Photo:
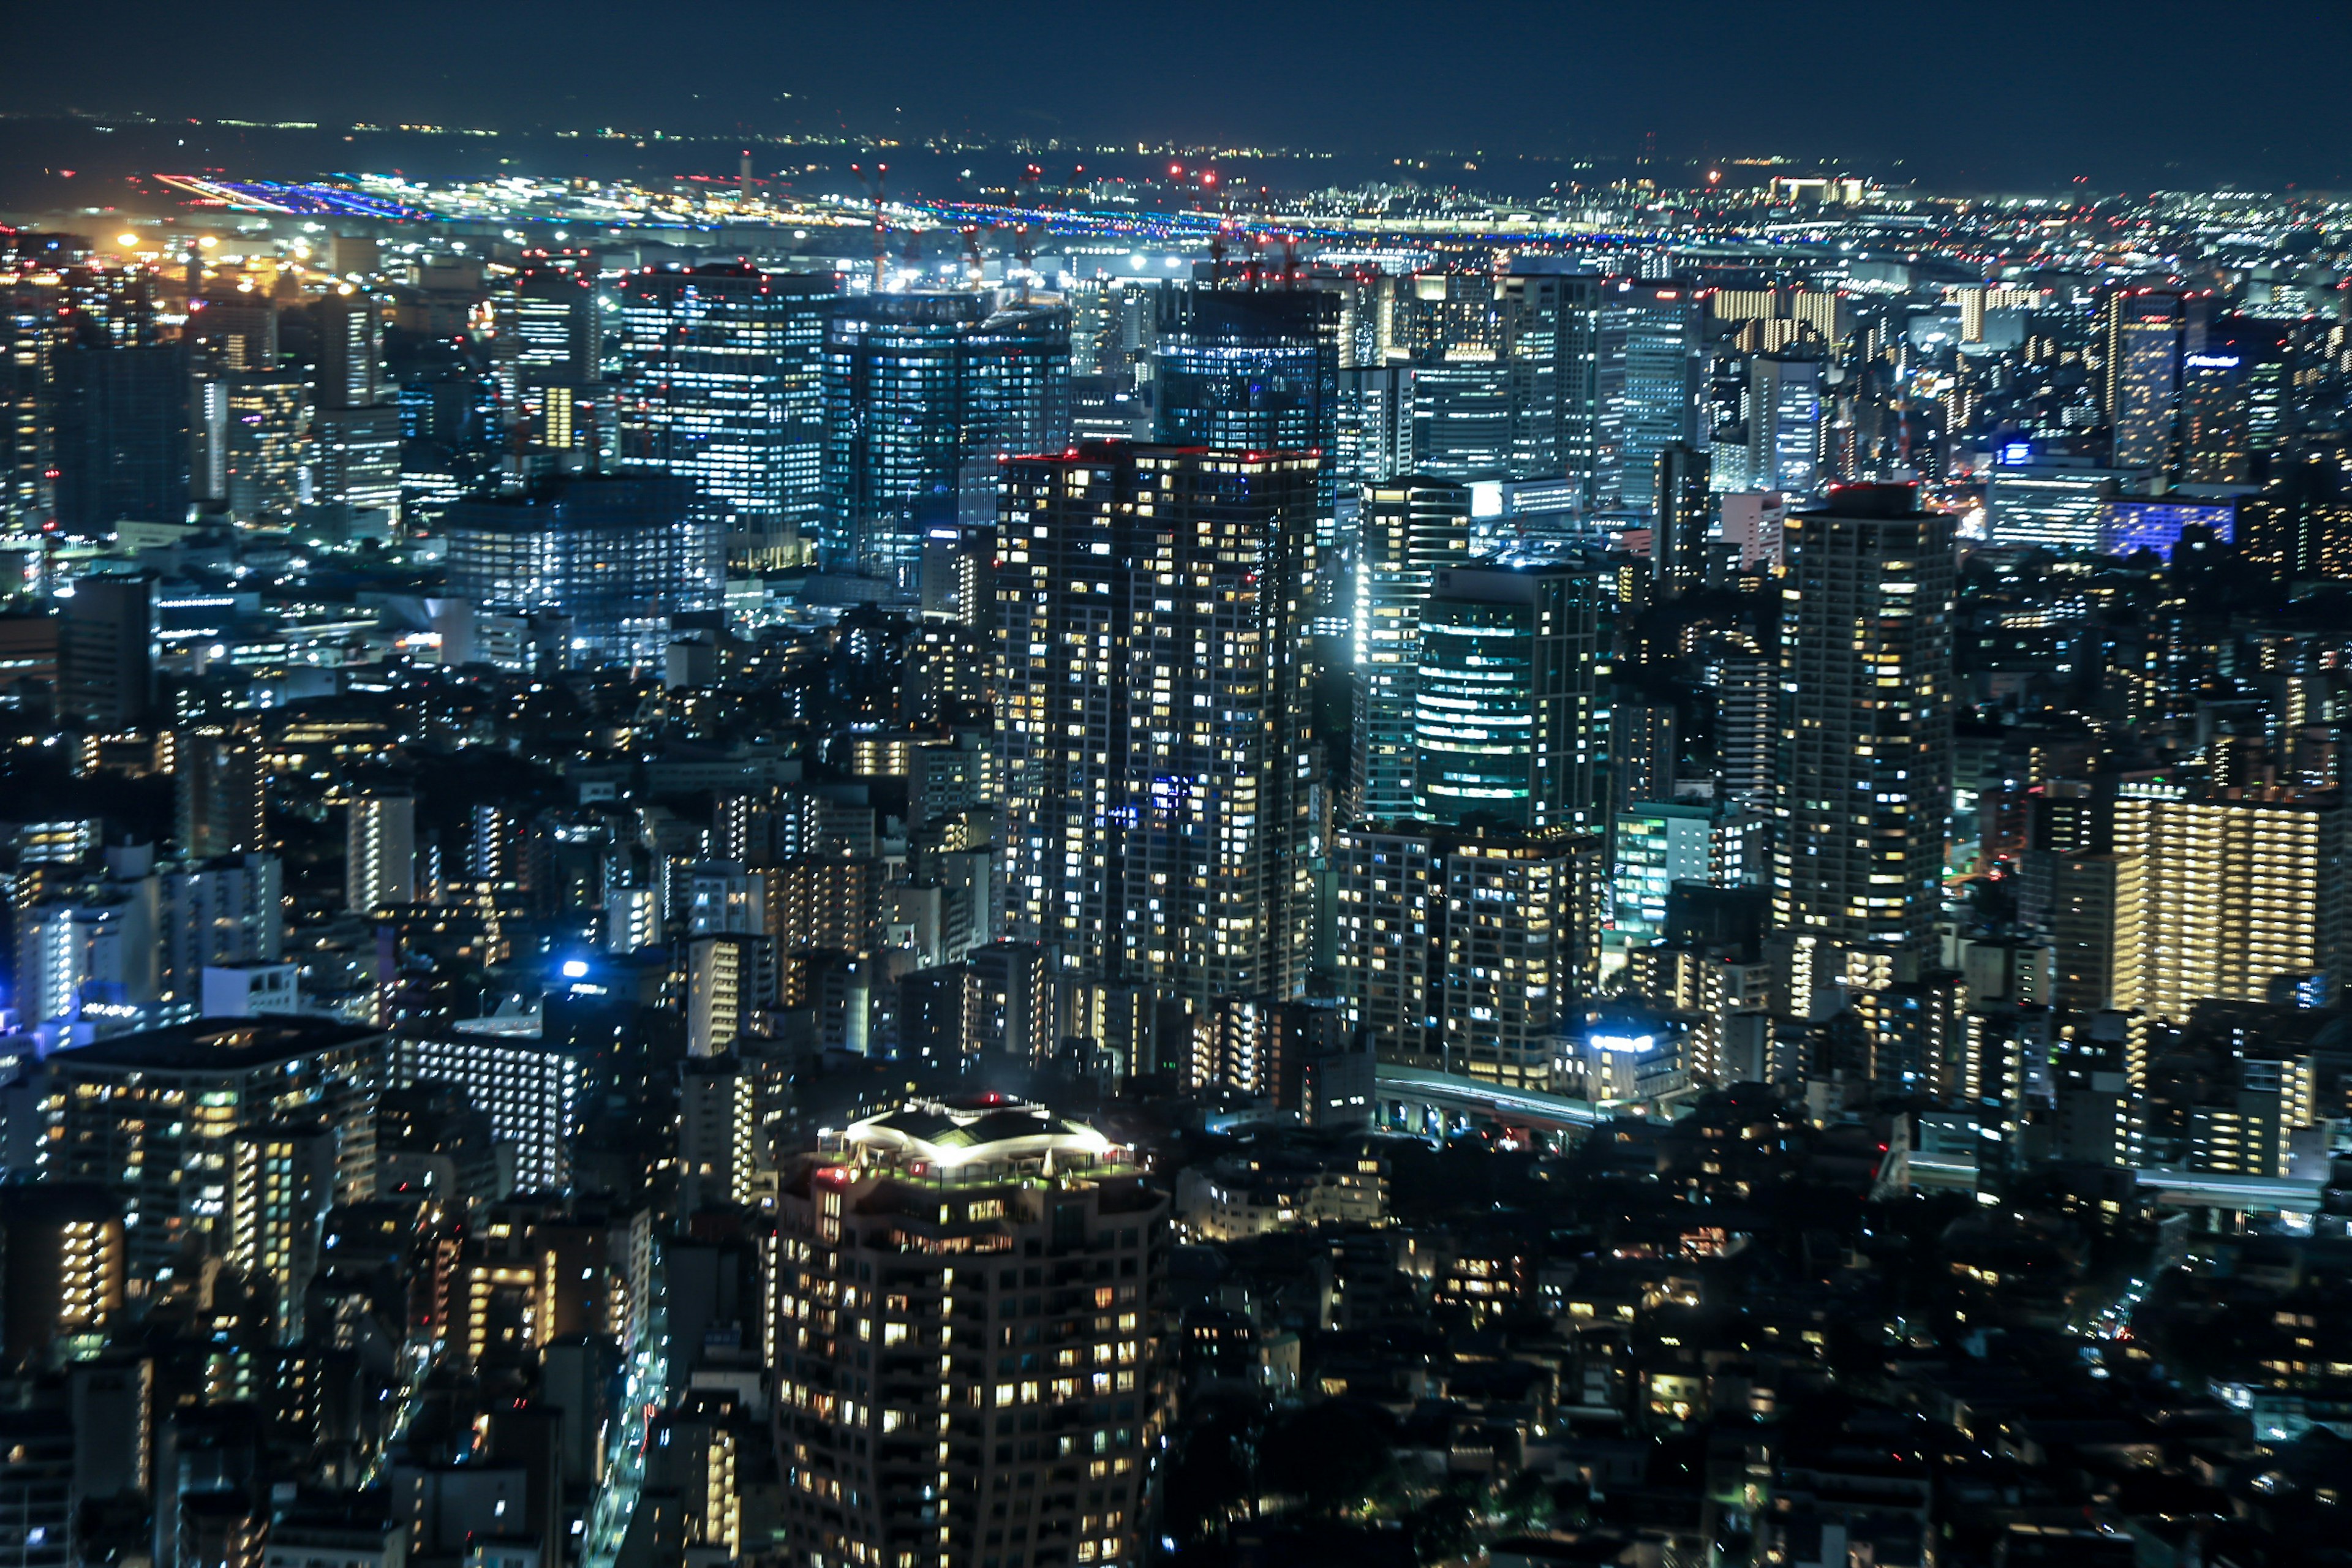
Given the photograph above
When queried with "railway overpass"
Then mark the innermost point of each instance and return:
(1407, 1088)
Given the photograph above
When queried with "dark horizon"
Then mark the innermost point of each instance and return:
(2141, 96)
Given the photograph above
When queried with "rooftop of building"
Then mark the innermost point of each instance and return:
(989, 1137)
(223, 1045)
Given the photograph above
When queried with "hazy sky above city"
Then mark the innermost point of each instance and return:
(2250, 90)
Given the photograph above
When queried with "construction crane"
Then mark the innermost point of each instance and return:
(872, 183)
(1026, 236)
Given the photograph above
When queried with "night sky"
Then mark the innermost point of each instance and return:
(2153, 93)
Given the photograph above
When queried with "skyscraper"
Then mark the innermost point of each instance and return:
(923, 394)
(2225, 894)
(2144, 331)
(1466, 949)
(1648, 386)
(106, 667)
(1864, 772)
(898, 1353)
(1685, 505)
(122, 436)
(719, 385)
(268, 446)
(380, 853)
(1409, 529)
(620, 557)
(1505, 703)
(1251, 370)
(1153, 715)
(1784, 423)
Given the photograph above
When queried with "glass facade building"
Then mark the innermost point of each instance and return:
(1505, 724)
(1649, 384)
(719, 385)
(618, 556)
(1410, 530)
(924, 392)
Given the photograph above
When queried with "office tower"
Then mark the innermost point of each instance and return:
(1648, 382)
(618, 557)
(1547, 323)
(544, 330)
(1659, 844)
(1251, 370)
(350, 352)
(2229, 895)
(234, 331)
(1686, 504)
(282, 1185)
(62, 1267)
(2054, 505)
(940, 1445)
(37, 1491)
(924, 394)
(153, 1116)
(379, 853)
(106, 658)
(1462, 424)
(728, 976)
(1644, 749)
(535, 1090)
(2299, 527)
(120, 443)
(2144, 331)
(2087, 893)
(1465, 950)
(1372, 434)
(1505, 727)
(1864, 777)
(1784, 423)
(1409, 529)
(30, 334)
(719, 386)
(267, 448)
(355, 457)
(1747, 689)
(2216, 415)
(1152, 712)
(215, 913)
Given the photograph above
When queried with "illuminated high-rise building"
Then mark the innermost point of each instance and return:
(2216, 413)
(1408, 529)
(1648, 386)
(620, 557)
(62, 1267)
(1465, 950)
(719, 385)
(219, 781)
(2233, 894)
(1686, 508)
(1864, 776)
(380, 853)
(1785, 423)
(1153, 713)
(350, 350)
(1505, 726)
(153, 1116)
(924, 394)
(2144, 335)
(282, 1185)
(1251, 370)
(895, 1350)
(267, 448)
